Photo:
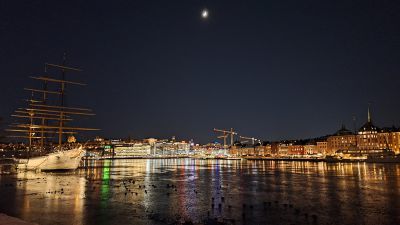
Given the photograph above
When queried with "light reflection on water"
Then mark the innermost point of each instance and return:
(168, 191)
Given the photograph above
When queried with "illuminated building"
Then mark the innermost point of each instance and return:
(393, 140)
(322, 147)
(247, 151)
(343, 139)
(310, 149)
(131, 150)
(372, 139)
(274, 147)
(172, 147)
(282, 148)
(367, 138)
(267, 150)
(296, 149)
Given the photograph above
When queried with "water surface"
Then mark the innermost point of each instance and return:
(175, 191)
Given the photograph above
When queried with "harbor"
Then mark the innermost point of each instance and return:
(188, 191)
(199, 112)
(234, 180)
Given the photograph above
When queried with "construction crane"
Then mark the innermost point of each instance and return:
(225, 134)
(224, 138)
(252, 139)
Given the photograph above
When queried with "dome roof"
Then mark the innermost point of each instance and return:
(343, 131)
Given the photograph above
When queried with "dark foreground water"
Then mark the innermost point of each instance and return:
(178, 191)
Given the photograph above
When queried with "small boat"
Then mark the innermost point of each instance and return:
(207, 157)
(233, 158)
(386, 155)
(352, 154)
(383, 156)
(8, 165)
(339, 158)
(220, 156)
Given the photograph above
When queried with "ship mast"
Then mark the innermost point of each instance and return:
(63, 83)
(60, 130)
(43, 119)
(30, 129)
(49, 118)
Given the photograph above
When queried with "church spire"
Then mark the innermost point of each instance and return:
(369, 114)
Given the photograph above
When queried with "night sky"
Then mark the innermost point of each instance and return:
(269, 69)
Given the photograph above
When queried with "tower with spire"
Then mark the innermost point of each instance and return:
(368, 127)
(369, 114)
(367, 138)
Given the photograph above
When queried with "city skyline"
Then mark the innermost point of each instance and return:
(156, 69)
(354, 129)
(199, 112)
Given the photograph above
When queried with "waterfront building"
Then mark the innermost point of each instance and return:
(126, 150)
(310, 149)
(394, 140)
(247, 151)
(274, 147)
(283, 148)
(267, 150)
(234, 150)
(152, 142)
(322, 147)
(216, 148)
(367, 138)
(343, 139)
(172, 147)
(296, 149)
(372, 139)
(256, 150)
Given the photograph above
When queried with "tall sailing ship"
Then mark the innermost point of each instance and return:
(45, 124)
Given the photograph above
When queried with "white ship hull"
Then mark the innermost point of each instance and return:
(63, 160)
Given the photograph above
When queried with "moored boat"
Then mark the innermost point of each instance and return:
(384, 156)
(46, 117)
(61, 160)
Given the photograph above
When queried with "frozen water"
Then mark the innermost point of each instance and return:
(179, 191)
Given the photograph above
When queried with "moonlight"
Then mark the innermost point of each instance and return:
(204, 14)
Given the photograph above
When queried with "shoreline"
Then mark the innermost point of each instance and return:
(10, 220)
(247, 158)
